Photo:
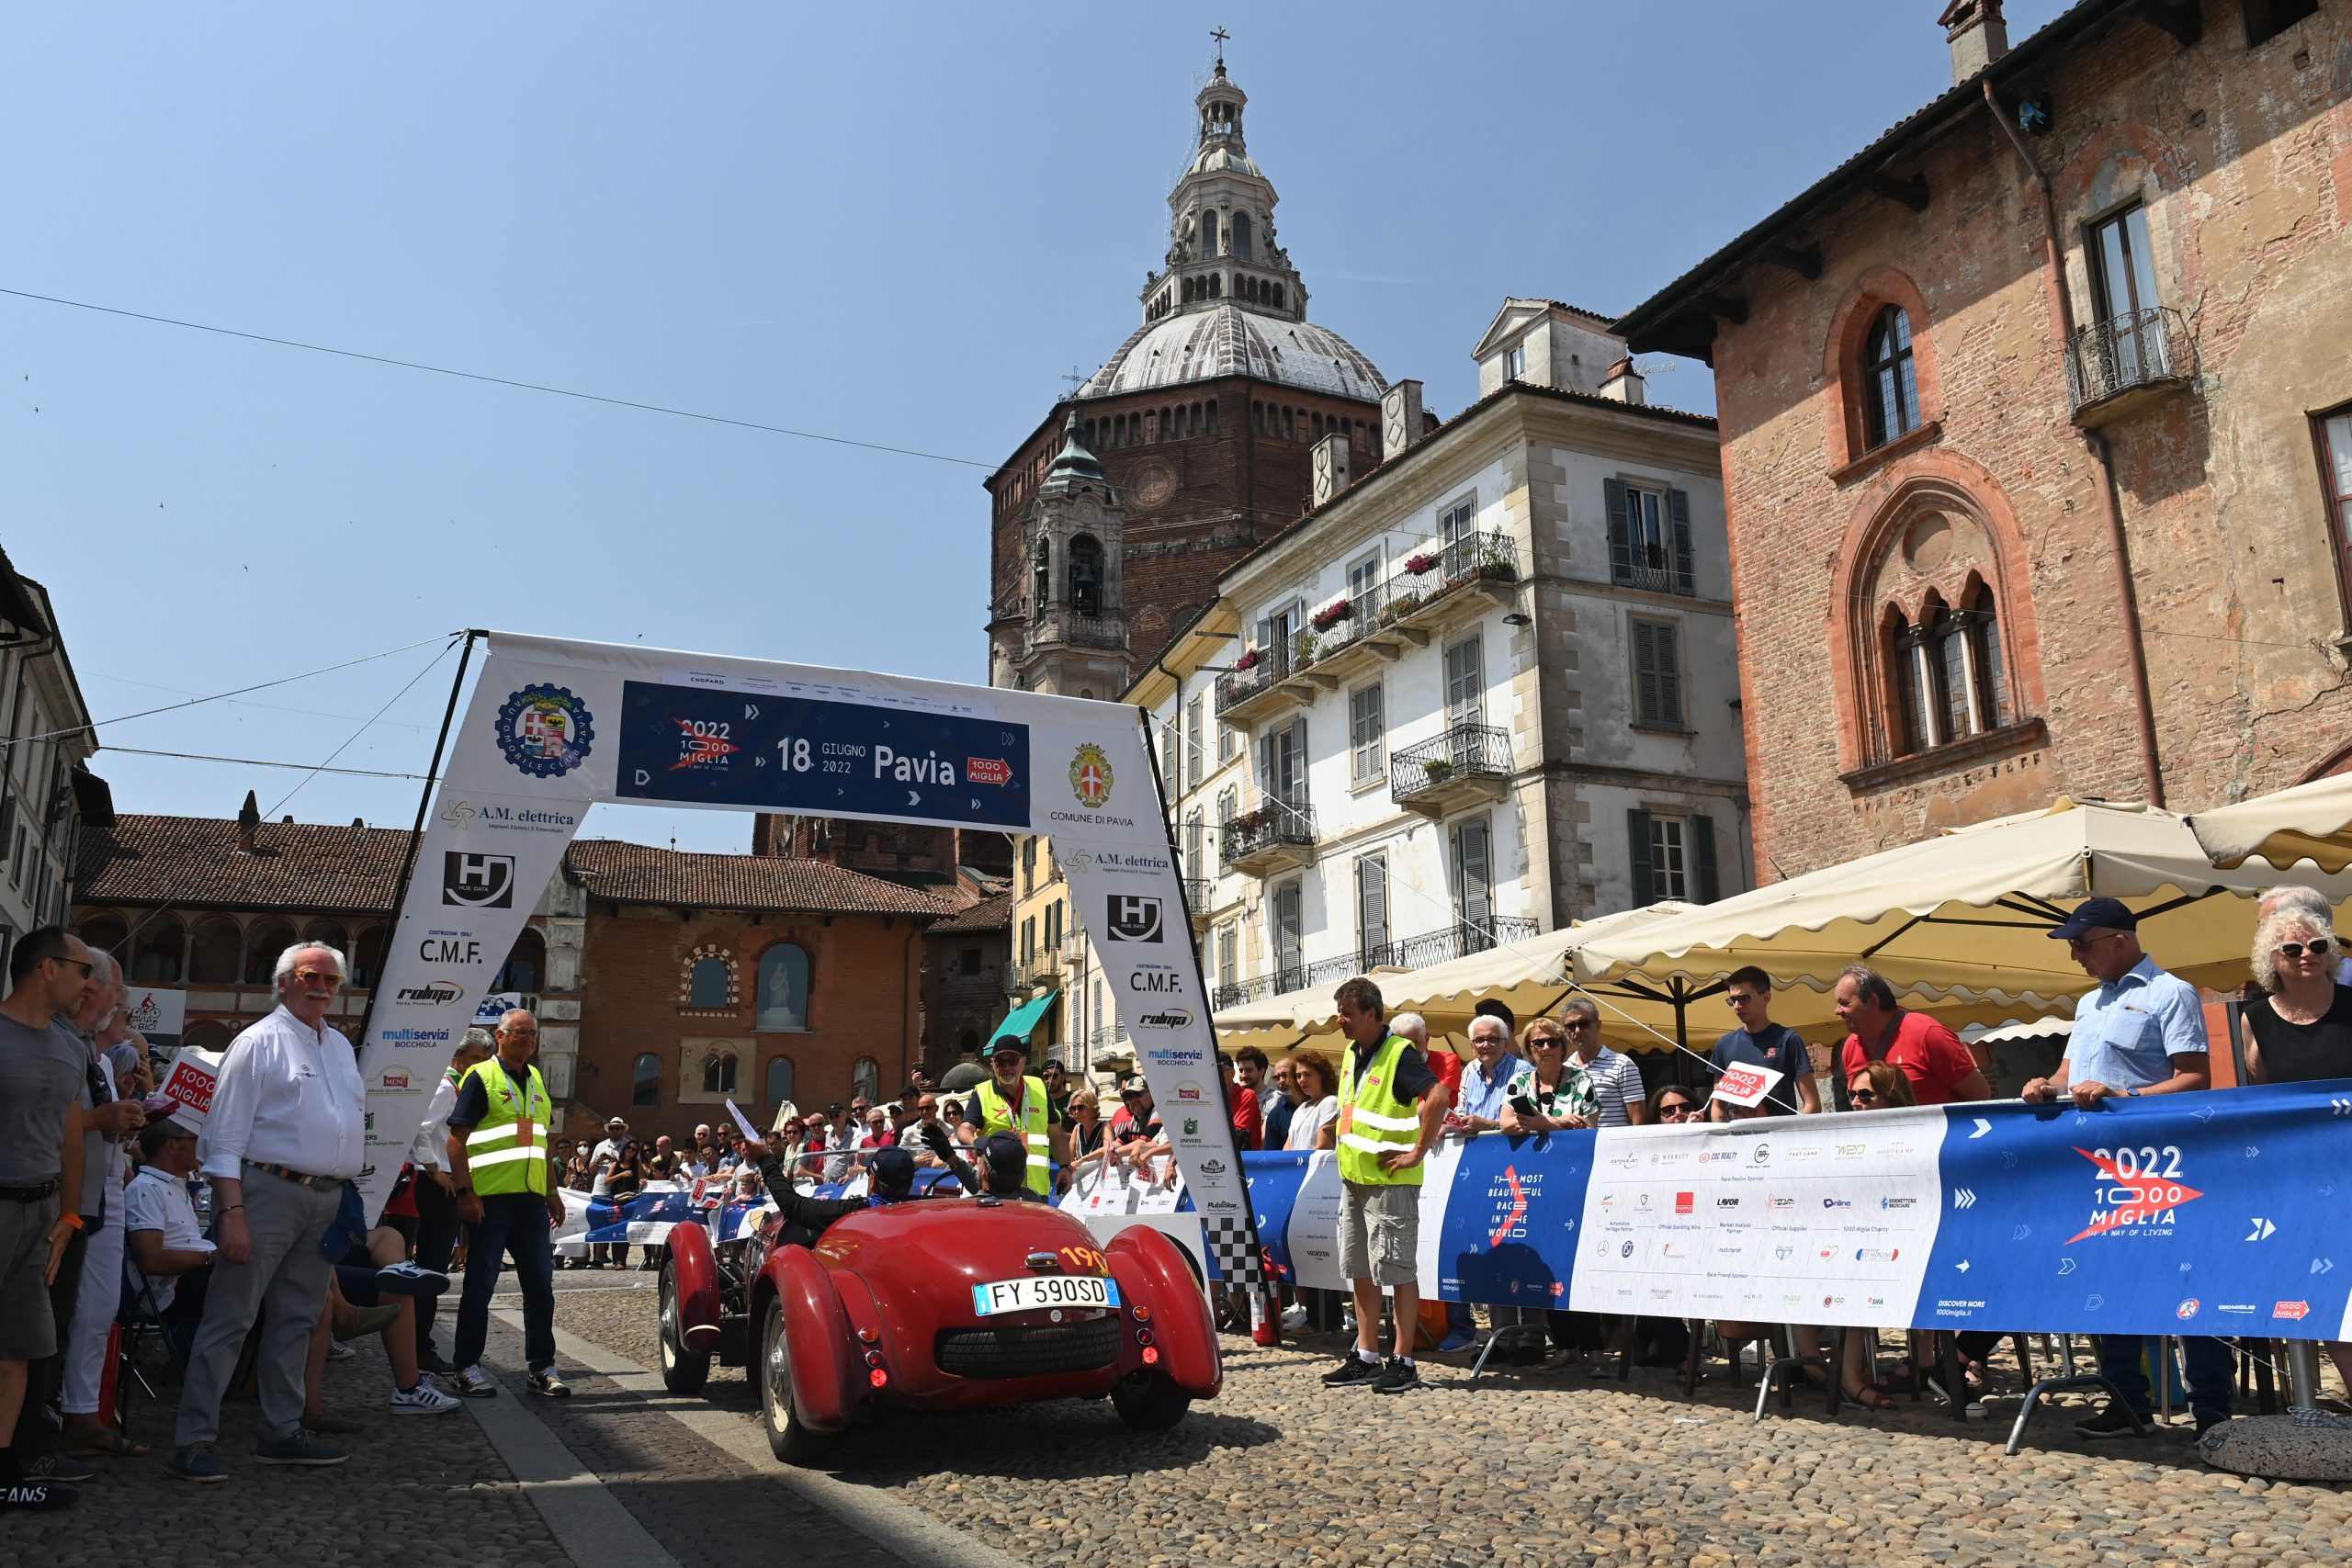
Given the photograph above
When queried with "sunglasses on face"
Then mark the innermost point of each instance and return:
(318, 976)
(1858, 1095)
(1580, 1023)
(1679, 1107)
(2317, 947)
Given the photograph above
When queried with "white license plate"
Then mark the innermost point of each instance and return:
(1035, 1291)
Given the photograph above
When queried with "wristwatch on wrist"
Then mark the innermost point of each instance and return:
(464, 1193)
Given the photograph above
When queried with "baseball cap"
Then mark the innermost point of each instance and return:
(1007, 1160)
(1133, 1084)
(2094, 914)
(894, 1170)
(1011, 1043)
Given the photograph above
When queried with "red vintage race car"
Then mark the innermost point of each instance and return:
(938, 1304)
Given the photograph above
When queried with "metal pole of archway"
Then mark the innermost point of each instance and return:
(416, 832)
(1200, 980)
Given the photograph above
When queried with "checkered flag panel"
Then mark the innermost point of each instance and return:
(1234, 1243)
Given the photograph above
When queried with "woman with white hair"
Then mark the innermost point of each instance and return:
(2303, 1030)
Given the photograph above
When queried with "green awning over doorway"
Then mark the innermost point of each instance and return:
(1021, 1020)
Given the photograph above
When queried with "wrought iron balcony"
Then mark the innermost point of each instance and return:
(1468, 763)
(2116, 365)
(1199, 893)
(1276, 835)
(1256, 675)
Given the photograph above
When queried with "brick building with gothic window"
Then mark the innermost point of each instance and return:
(2037, 431)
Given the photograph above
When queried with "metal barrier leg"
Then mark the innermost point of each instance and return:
(2302, 1372)
(2034, 1398)
(2163, 1376)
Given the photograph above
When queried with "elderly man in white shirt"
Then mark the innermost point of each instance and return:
(283, 1137)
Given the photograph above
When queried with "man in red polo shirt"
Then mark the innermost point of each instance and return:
(1941, 1069)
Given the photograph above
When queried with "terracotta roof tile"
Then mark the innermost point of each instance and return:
(643, 874)
(194, 862)
(988, 915)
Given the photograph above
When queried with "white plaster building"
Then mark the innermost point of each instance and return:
(46, 792)
(1485, 689)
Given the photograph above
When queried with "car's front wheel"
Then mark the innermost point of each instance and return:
(683, 1371)
(1148, 1402)
(789, 1439)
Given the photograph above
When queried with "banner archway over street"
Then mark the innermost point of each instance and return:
(556, 727)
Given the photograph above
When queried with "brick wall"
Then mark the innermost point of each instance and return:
(1192, 505)
(2243, 159)
(864, 999)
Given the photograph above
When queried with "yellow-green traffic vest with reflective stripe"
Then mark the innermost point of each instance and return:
(996, 1116)
(1373, 1122)
(498, 1160)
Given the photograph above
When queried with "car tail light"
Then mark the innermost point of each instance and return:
(1142, 1314)
(879, 1377)
(1151, 1355)
(868, 1334)
(873, 1358)
(1143, 1336)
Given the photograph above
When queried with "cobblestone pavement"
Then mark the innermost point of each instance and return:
(417, 1491)
(1545, 1466)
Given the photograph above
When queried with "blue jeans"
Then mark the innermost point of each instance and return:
(2206, 1366)
(513, 1225)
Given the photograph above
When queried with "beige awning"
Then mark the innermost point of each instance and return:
(2309, 823)
(1535, 974)
(1959, 922)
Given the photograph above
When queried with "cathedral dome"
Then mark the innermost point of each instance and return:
(1223, 338)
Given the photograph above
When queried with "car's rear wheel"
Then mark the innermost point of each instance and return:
(683, 1371)
(788, 1439)
(1148, 1402)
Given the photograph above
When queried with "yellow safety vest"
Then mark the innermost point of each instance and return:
(1374, 1121)
(508, 1152)
(996, 1116)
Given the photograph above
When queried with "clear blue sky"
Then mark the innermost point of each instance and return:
(895, 223)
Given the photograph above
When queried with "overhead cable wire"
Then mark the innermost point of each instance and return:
(222, 696)
(501, 380)
(363, 729)
(261, 763)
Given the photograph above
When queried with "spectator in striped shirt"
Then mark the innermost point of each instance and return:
(1615, 1079)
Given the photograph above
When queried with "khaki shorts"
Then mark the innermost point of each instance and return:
(27, 1328)
(1380, 1231)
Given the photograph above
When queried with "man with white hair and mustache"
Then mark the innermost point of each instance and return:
(283, 1138)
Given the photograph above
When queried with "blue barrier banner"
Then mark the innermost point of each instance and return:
(2211, 1212)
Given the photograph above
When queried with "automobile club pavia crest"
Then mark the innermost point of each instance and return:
(545, 731)
(1090, 776)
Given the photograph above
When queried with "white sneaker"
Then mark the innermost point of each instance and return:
(342, 1352)
(422, 1400)
(1347, 1323)
(411, 1279)
(1295, 1317)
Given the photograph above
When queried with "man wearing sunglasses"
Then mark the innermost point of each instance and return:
(281, 1141)
(2141, 1032)
(41, 1127)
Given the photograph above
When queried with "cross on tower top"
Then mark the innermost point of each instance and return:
(1220, 35)
(1076, 377)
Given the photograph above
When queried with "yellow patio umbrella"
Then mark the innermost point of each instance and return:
(2310, 822)
(1957, 924)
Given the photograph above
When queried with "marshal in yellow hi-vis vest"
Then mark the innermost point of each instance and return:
(997, 1116)
(1373, 1122)
(508, 1152)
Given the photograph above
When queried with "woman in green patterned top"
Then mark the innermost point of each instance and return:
(1557, 1088)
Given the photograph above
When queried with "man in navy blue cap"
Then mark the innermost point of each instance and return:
(2141, 1032)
